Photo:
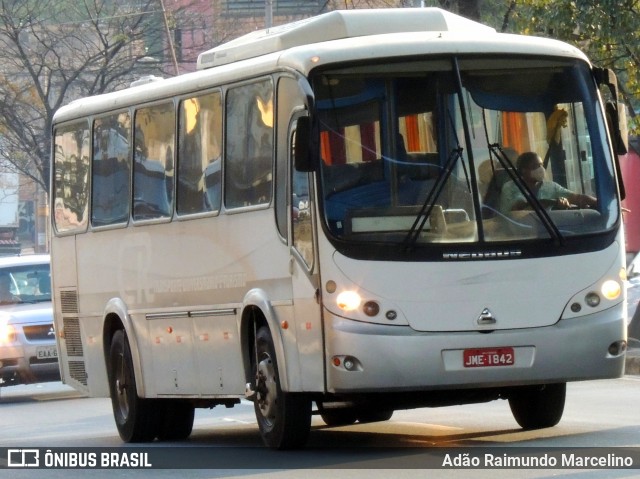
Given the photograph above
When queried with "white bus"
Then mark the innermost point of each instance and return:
(315, 221)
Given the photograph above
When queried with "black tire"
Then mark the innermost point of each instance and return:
(135, 417)
(284, 419)
(537, 407)
(177, 420)
(334, 417)
(372, 415)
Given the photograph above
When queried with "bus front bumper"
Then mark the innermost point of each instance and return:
(364, 357)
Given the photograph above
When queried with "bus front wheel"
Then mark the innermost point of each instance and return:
(134, 416)
(537, 407)
(284, 419)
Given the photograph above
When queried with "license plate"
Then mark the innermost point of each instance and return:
(46, 352)
(488, 357)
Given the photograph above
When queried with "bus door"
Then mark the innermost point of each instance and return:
(305, 276)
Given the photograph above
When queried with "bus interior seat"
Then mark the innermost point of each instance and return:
(343, 177)
(419, 166)
(494, 185)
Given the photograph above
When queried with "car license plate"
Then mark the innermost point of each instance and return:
(488, 357)
(46, 352)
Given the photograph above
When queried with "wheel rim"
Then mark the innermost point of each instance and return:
(266, 388)
(121, 388)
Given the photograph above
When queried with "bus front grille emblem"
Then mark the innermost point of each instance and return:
(486, 317)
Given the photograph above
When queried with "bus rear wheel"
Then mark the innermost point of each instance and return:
(537, 407)
(177, 420)
(284, 419)
(134, 416)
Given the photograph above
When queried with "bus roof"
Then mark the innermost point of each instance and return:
(309, 44)
(337, 25)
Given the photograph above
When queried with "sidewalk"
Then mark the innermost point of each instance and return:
(632, 365)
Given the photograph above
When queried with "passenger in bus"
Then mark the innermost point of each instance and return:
(551, 195)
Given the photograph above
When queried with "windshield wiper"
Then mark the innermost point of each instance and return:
(426, 208)
(529, 195)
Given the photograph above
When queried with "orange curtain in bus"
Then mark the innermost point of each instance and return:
(413, 133)
(515, 132)
(332, 147)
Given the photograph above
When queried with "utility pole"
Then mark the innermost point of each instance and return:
(169, 39)
(268, 14)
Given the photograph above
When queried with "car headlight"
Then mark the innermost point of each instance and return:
(7, 333)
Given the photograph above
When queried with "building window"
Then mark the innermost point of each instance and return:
(280, 7)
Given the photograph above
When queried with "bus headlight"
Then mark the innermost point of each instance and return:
(348, 300)
(611, 289)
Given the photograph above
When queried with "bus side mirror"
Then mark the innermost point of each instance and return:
(304, 151)
(615, 121)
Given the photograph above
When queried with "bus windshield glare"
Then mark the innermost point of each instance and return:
(463, 150)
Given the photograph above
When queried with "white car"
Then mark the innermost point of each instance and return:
(28, 350)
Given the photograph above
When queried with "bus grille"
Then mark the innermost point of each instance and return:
(69, 302)
(72, 336)
(78, 372)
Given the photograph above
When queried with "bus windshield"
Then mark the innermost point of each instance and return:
(463, 150)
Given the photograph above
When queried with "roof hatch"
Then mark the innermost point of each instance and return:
(336, 25)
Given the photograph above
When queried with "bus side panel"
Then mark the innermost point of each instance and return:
(183, 284)
(218, 359)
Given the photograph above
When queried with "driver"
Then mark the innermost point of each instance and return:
(550, 194)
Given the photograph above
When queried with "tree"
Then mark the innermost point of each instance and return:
(607, 31)
(52, 52)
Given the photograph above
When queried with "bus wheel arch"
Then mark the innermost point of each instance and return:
(117, 318)
(135, 417)
(284, 418)
(257, 312)
(112, 323)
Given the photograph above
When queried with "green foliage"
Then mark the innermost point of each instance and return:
(606, 31)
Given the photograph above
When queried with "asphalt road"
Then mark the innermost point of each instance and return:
(226, 441)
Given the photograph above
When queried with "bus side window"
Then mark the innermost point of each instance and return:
(71, 166)
(301, 214)
(249, 146)
(198, 187)
(110, 170)
(153, 162)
